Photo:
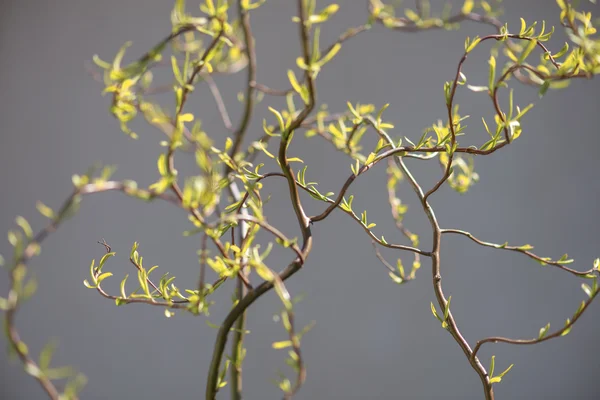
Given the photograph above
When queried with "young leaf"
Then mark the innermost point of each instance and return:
(447, 309)
(467, 6)
(279, 118)
(492, 365)
(435, 314)
(22, 222)
(396, 278)
(588, 290)
(492, 74)
(525, 247)
(281, 345)
(544, 331)
(123, 293)
(104, 276)
(45, 210)
(566, 331)
(329, 56)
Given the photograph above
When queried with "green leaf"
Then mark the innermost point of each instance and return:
(566, 331)
(565, 260)
(14, 238)
(544, 88)
(448, 92)
(88, 285)
(562, 51)
(123, 293)
(380, 112)
(363, 217)
(296, 86)
(527, 51)
(521, 113)
(251, 6)
(353, 110)
(544, 331)
(470, 44)
(104, 258)
(410, 14)
(400, 267)
(329, 56)
(134, 248)
(506, 371)
(477, 88)
(279, 118)
(22, 222)
(467, 6)
(151, 269)
(523, 27)
(323, 15)
(396, 278)
(282, 345)
(370, 158)
(588, 290)
(525, 247)
(301, 63)
(162, 163)
(45, 210)
(355, 167)
(435, 314)
(46, 355)
(176, 71)
(104, 276)
(492, 74)
(447, 309)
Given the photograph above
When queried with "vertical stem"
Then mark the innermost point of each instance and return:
(303, 221)
(238, 137)
(437, 284)
(437, 278)
(237, 345)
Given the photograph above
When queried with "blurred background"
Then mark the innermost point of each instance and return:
(373, 339)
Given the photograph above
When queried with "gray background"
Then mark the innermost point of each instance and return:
(373, 339)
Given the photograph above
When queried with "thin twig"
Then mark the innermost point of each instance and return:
(520, 249)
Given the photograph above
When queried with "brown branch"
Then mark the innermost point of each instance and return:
(29, 251)
(494, 95)
(560, 332)
(435, 270)
(437, 285)
(336, 204)
(249, 98)
(199, 68)
(303, 221)
(518, 249)
(16, 344)
(203, 258)
(214, 89)
(238, 137)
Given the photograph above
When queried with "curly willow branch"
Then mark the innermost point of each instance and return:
(244, 217)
